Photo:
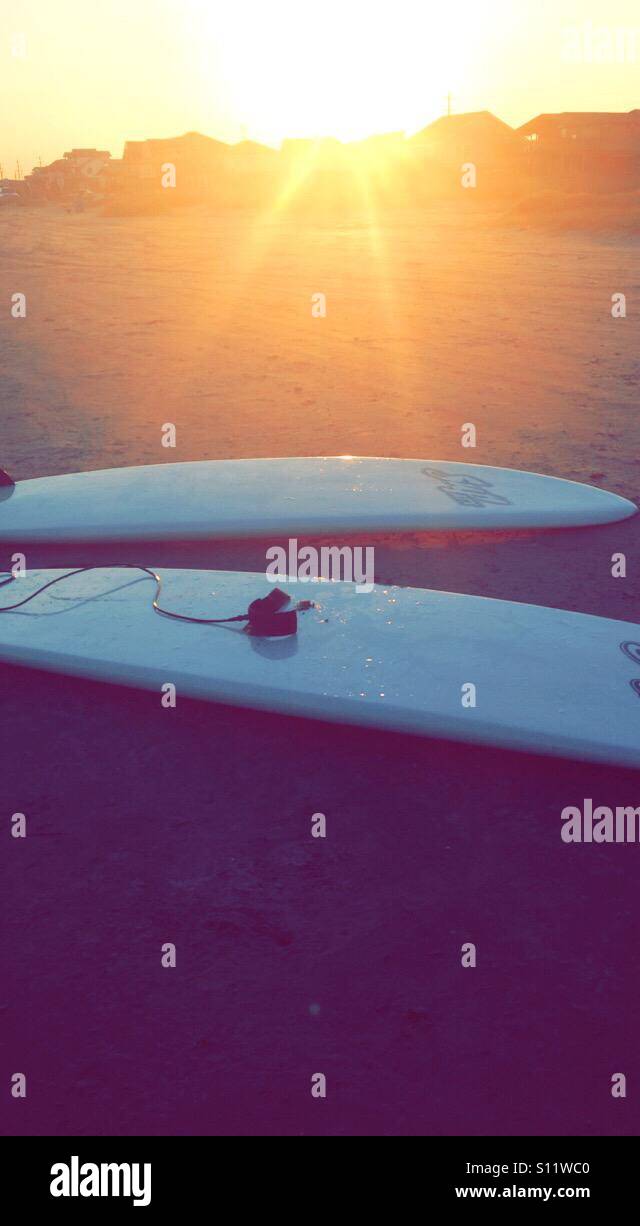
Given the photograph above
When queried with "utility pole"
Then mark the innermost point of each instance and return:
(449, 101)
(18, 171)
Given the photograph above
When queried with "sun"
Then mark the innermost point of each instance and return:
(341, 68)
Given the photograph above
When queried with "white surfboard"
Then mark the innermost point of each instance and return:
(548, 681)
(344, 494)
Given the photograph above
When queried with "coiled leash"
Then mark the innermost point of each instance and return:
(263, 617)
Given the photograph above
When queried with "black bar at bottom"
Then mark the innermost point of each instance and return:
(165, 1173)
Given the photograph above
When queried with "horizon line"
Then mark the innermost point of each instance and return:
(328, 137)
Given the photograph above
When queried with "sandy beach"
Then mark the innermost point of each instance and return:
(192, 825)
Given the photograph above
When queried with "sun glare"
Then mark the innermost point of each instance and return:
(343, 68)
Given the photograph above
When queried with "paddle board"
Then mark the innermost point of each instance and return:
(342, 494)
(398, 658)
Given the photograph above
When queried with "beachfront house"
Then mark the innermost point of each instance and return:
(472, 134)
(478, 138)
(205, 169)
(586, 149)
(198, 160)
(80, 170)
(617, 130)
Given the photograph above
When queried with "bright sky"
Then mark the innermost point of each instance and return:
(78, 73)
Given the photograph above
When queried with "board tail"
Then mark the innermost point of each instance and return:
(5, 479)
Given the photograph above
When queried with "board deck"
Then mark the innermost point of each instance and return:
(236, 498)
(546, 680)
